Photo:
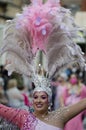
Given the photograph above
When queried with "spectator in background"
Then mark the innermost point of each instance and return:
(16, 99)
(27, 82)
(60, 84)
(3, 98)
(71, 95)
(25, 93)
(4, 74)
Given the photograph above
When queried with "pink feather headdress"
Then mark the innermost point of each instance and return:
(46, 27)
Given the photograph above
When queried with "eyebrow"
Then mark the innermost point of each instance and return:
(41, 95)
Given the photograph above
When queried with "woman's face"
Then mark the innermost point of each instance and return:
(73, 79)
(40, 101)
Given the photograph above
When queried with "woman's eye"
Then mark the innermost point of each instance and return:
(35, 97)
(43, 97)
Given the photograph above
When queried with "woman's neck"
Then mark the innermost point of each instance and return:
(41, 115)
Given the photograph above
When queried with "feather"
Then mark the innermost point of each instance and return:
(16, 44)
(46, 27)
(36, 2)
(61, 52)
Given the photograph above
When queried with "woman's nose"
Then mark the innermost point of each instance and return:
(38, 100)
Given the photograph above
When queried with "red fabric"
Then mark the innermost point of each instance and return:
(26, 100)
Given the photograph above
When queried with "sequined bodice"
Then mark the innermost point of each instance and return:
(43, 126)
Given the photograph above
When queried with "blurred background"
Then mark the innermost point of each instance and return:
(18, 89)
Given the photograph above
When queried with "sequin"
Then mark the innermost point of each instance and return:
(58, 115)
(30, 122)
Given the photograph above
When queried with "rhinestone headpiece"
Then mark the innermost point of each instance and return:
(42, 83)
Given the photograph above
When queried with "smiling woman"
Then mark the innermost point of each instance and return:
(49, 28)
(41, 118)
(40, 102)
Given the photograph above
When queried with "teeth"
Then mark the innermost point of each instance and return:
(39, 105)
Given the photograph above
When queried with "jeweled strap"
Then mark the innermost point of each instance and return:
(30, 122)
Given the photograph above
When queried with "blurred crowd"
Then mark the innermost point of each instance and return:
(13, 91)
(68, 88)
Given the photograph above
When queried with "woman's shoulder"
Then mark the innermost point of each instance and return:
(60, 111)
(56, 117)
(59, 114)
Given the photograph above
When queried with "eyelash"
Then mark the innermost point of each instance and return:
(41, 97)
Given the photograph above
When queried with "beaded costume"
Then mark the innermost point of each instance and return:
(46, 27)
(24, 120)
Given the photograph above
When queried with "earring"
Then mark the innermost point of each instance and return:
(49, 107)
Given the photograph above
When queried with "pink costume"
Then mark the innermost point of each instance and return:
(46, 27)
(43, 126)
(69, 99)
(26, 100)
(24, 120)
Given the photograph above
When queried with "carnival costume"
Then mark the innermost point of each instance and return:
(46, 27)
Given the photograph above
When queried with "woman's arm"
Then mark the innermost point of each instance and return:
(64, 114)
(13, 115)
(73, 110)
